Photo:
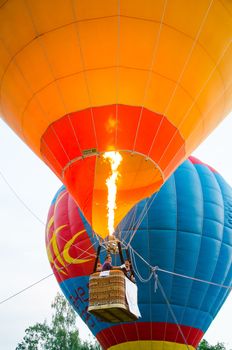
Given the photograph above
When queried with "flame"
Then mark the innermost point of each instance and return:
(115, 159)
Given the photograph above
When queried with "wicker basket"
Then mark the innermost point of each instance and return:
(107, 299)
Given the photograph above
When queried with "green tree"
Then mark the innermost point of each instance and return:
(204, 345)
(61, 334)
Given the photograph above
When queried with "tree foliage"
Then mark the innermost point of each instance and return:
(204, 345)
(61, 334)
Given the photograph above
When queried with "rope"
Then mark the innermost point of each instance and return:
(196, 279)
(154, 270)
(172, 313)
(141, 216)
(178, 274)
(134, 264)
(24, 289)
(44, 278)
(20, 200)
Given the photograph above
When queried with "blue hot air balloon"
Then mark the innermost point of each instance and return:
(177, 239)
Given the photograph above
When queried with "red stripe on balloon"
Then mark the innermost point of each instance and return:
(156, 331)
(194, 160)
(97, 127)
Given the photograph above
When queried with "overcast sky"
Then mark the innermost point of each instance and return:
(23, 257)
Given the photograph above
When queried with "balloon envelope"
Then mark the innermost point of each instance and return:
(185, 229)
(147, 78)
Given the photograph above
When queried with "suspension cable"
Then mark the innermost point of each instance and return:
(172, 312)
(20, 199)
(229, 287)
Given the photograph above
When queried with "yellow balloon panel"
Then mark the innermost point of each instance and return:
(64, 60)
(14, 95)
(17, 28)
(102, 86)
(34, 66)
(5, 58)
(136, 49)
(47, 15)
(95, 9)
(173, 49)
(150, 10)
(34, 123)
(150, 345)
(212, 32)
(103, 50)
(188, 19)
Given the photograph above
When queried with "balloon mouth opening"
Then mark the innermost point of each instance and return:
(138, 178)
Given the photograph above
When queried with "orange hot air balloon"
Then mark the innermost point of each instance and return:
(150, 79)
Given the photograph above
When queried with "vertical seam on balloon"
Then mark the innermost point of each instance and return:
(200, 122)
(187, 299)
(200, 245)
(177, 228)
(205, 114)
(141, 216)
(155, 47)
(149, 233)
(211, 107)
(28, 87)
(84, 70)
(131, 223)
(223, 5)
(171, 286)
(209, 312)
(215, 267)
(189, 55)
(230, 274)
(225, 295)
(181, 149)
(94, 179)
(182, 72)
(41, 44)
(53, 155)
(137, 332)
(117, 70)
(74, 132)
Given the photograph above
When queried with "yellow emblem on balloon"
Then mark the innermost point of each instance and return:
(62, 256)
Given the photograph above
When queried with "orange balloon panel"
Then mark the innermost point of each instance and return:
(146, 78)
